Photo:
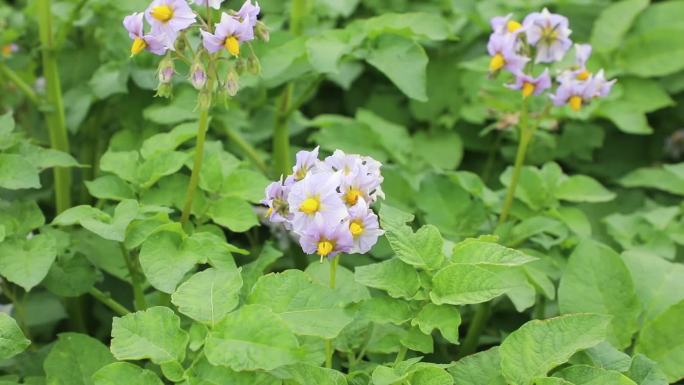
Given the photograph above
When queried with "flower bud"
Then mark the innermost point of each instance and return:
(166, 71)
(232, 83)
(262, 31)
(198, 76)
(253, 65)
(164, 90)
(240, 66)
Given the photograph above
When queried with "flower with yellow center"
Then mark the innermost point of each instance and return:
(228, 35)
(233, 46)
(513, 26)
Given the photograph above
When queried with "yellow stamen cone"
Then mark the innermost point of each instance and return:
(310, 206)
(527, 89)
(138, 46)
(162, 13)
(496, 63)
(352, 196)
(584, 75)
(513, 26)
(233, 46)
(575, 102)
(324, 248)
(356, 228)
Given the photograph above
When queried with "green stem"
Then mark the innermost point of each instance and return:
(281, 134)
(202, 128)
(477, 325)
(108, 301)
(74, 307)
(136, 280)
(55, 117)
(249, 150)
(20, 83)
(328, 343)
(526, 134)
(401, 354)
(297, 13)
(9, 292)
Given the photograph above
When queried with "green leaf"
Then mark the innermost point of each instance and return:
(27, 261)
(12, 340)
(209, 295)
(252, 338)
(660, 178)
(17, 173)
(393, 137)
(123, 372)
(245, 184)
(461, 284)
(662, 340)
(204, 373)
(326, 49)
(410, 76)
(581, 188)
(386, 310)
(416, 340)
(176, 111)
(234, 214)
(422, 248)
(445, 318)
(168, 141)
(306, 307)
(658, 283)
(305, 374)
(110, 187)
(597, 281)
(109, 79)
(153, 334)
(539, 346)
(165, 259)
(440, 149)
(657, 52)
(482, 368)
(587, 375)
(411, 24)
(644, 371)
(71, 276)
(20, 217)
(74, 359)
(100, 223)
(477, 251)
(614, 22)
(346, 288)
(158, 166)
(123, 164)
(604, 355)
(398, 279)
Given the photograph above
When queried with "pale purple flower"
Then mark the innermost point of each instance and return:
(598, 86)
(228, 35)
(505, 25)
(306, 163)
(327, 239)
(530, 85)
(276, 201)
(216, 4)
(579, 70)
(316, 198)
(250, 12)
(549, 33)
(582, 54)
(347, 165)
(9, 49)
(502, 49)
(168, 18)
(364, 227)
(152, 43)
(573, 93)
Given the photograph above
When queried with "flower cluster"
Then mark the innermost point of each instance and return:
(170, 21)
(326, 204)
(545, 37)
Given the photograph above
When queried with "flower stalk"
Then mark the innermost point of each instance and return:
(136, 280)
(202, 128)
(19, 83)
(108, 301)
(328, 343)
(55, 118)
